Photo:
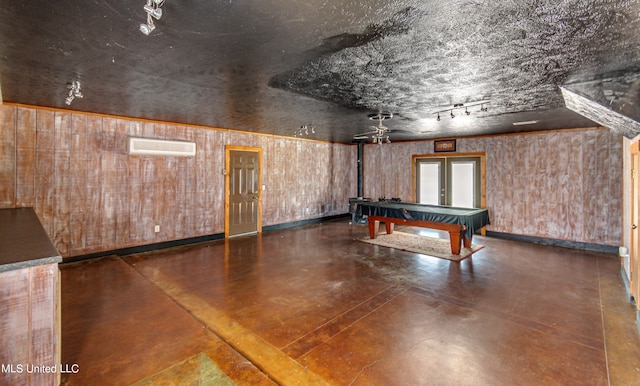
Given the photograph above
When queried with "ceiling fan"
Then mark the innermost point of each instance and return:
(380, 133)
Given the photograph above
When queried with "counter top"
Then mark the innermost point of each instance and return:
(23, 241)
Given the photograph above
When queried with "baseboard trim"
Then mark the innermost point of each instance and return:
(556, 242)
(144, 248)
(625, 281)
(191, 240)
(304, 222)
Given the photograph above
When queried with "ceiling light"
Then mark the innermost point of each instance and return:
(452, 116)
(438, 117)
(524, 123)
(467, 111)
(153, 10)
(147, 28)
(74, 91)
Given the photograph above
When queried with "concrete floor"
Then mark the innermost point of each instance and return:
(311, 305)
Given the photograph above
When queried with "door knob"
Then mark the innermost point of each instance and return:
(634, 226)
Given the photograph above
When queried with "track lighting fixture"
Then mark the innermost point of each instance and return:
(304, 130)
(457, 106)
(74, 91)
(153, 10)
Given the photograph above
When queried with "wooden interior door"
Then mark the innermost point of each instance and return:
(635, 224)
(243, 201)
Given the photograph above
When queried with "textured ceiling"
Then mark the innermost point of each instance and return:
(272, 66)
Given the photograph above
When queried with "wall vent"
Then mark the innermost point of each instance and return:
(148, 146)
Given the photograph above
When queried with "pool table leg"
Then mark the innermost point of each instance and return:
(373, 228)
(467, 241)
(388, 227)
(455, 239)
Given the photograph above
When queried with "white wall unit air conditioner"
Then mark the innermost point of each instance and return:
(148, 146)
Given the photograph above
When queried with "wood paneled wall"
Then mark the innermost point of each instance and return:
(564, 185)
(91, 196)
(30, 325)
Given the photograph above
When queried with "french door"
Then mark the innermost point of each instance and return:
(454, 181)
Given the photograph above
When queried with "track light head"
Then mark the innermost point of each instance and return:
(452, 116)
(147, 28)
(467, 111)
(438, 119)
(155, 12)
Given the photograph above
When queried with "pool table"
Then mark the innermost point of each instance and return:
(461, 223)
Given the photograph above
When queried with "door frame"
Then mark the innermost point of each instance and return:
(482, 157)
(634, 248)
(227, 189)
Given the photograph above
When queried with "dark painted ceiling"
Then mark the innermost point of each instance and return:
(272, 66)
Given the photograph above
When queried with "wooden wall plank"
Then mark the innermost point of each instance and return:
(43, 320)
(63, 184)
(614, 166)
(78, 192)
(94, 174)
(15, 317)
(135, 193)
(45, 169)
(109, 193)
(25, 157)
(121, 188)
(201, 183)
(7, 156)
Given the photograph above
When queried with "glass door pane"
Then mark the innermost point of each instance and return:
(463, 184)
(429, 187)
(454, 181)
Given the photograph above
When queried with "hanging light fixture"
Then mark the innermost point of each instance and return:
(153, 10)
(74, 91)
